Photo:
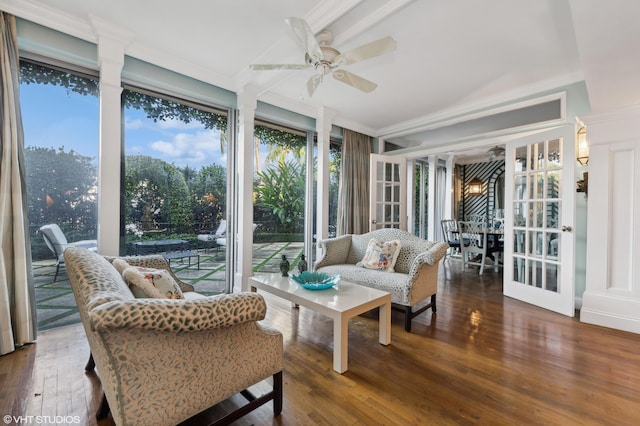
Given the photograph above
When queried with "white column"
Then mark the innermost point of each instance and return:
(411, 190)
(448, 204)
(111, 44)
(431, 224)
(247, 103)
(612, 295)
(324, 121)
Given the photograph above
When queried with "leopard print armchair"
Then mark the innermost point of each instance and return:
(415, 275)
(162, 361)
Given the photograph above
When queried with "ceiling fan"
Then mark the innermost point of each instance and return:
(495, 152)
(328, 60)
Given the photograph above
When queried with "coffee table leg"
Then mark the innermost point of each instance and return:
(384, 321)
(340, 344)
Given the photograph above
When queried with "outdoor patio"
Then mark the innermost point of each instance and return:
(56, 306)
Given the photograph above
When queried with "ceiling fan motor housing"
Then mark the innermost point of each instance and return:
(327, 63)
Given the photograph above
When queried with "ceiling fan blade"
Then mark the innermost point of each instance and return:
(266, 67)
(305, 37)
(354, 80)
(313, 83)
(369, 50)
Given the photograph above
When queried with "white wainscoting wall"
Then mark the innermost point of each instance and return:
(612, 295)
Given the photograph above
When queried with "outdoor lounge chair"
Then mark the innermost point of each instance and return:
(56, 241)
(222, 242)
(211, 239)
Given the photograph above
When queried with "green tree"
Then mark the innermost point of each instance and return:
(62, 187)
(280, 143)
(208, 194)
(281, 192)
(157, 193)
(62, 190)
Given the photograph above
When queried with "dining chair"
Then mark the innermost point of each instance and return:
(451, 236)
(477, 217)
(496, 241)
(475, 248)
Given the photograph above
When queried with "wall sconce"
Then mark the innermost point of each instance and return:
(582, 153)
(475, 186)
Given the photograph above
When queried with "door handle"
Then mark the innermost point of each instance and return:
(567, 229)
(374, 221)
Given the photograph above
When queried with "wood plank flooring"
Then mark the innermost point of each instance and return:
(482, 359)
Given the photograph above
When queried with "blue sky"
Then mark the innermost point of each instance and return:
(53, 118)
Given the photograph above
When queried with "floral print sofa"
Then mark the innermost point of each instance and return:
(416, 269)
(161, 361)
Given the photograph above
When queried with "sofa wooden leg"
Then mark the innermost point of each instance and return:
(407, 318)
(409, 314)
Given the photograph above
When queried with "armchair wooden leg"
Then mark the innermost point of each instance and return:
(277, 393)
(91, 364)
(103, 411)
(255, 402)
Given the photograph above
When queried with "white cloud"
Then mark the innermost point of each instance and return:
(174, 124)
(193, 149)
(133, 124)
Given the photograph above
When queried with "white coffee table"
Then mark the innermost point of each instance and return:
(344, 301)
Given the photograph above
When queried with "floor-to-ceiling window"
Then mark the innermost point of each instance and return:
(335, 164)
(175, 183)
(60, 113)
(279, 194)
(421, 199)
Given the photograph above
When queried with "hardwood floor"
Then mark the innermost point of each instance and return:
(483, 359)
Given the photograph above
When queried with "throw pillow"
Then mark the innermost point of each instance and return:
(120, 265)
(381, 255)
(154, 283)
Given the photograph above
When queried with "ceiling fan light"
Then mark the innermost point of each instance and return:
(495, 152)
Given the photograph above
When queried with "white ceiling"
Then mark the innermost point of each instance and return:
(452, 56)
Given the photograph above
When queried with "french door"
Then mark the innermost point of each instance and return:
(388, 192)
(540, 212)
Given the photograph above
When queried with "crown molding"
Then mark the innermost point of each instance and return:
(370, 20)
(50, 17)
(103, 28)
(463, 112)
(181, 66)
(312, 111)
(326, 12)
(288, 104)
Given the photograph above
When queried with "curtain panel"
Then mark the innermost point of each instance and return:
(17, 296)
(353, 191)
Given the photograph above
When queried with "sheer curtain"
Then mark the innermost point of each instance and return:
(353, 192)
(17, 297)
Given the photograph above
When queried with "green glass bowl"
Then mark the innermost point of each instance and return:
(316, 280)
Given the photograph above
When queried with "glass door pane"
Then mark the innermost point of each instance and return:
(539, 254)
(539, 185)
(388, 192)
